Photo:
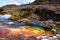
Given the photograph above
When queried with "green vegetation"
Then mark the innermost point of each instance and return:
(57, 27)
(45, 1)
(27, 14)
(16, 13)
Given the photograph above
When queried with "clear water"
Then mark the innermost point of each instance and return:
(4, 21)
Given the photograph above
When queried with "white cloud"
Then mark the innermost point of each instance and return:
(24, 1)
(17, 2)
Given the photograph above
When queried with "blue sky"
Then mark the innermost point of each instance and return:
(17, 2)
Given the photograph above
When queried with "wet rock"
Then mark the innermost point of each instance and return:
(32, 38)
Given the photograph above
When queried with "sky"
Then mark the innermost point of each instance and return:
(17, 2)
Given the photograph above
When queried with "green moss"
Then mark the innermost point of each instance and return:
(57, 27)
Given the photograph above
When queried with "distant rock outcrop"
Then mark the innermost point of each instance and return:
(36, 2)
(52, 5)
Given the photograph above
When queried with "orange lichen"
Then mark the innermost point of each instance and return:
(26, 31)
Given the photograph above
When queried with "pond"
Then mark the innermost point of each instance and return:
(4, 21)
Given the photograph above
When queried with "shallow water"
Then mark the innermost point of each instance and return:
(4, 21)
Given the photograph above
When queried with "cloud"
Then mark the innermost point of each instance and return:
(17, 2)
(24, 1)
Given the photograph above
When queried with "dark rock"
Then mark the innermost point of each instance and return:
(49, 28)
(20, 37)
(32, 38)
(1, 10)
(45, 14)
(37, 2)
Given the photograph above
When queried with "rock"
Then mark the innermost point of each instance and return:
(37, 2)
(32, 38)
